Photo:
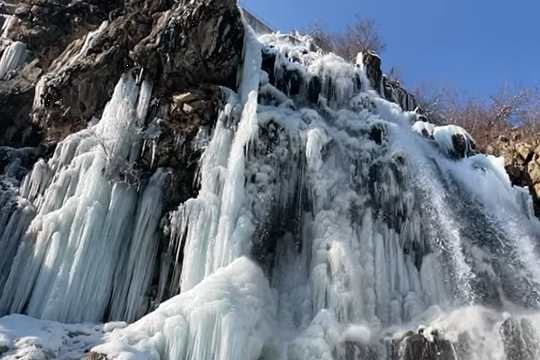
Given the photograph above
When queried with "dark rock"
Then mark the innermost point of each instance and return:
(393, 91)
(16, 96)
(76, 88)
(195, 42)
(268, 64)
(16, 162)
(46, 27)
(372, 65)
(175, 138)
(389, 89)
(171, 49)
(463, 146)
(377, 133)
(416, 347)
(95, 356)
(314, 89)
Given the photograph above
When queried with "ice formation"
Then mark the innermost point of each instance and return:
(229, 315)
(14, 52)
(12, 57)
(91, 242)
(325, 226)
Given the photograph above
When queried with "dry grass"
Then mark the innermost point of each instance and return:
(510, 110)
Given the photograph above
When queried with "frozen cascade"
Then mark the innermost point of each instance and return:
(81, 215)
(364, 225)
(329, 222)
(216, 226)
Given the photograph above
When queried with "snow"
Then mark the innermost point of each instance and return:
(226, 316)
(357, 333)
(424, 128)
(25, 338)
(444, 136)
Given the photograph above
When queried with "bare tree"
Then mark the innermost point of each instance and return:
(322, 38)
(517, 108)
(359, 36)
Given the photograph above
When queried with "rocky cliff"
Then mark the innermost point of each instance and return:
(521, 154)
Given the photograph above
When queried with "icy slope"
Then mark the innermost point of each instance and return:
(229, 315)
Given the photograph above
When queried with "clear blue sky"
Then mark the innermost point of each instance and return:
(472, 46)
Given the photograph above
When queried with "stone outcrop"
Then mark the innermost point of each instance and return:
(81, 49)
(46, 28)
(521, 154)
(416, 346)
(195, 42)
(389, 89)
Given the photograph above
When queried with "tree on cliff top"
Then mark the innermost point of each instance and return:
(359, 36)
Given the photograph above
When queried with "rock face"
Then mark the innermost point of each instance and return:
(78, 51)
(46, 28)
(82, 48)
(390, 89)
(417, 347)
(522, 161)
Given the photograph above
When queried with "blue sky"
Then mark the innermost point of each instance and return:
(472, 46)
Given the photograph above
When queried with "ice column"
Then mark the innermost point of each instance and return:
(90, 222)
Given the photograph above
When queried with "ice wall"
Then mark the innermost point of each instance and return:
(216, 226)
(92, 242)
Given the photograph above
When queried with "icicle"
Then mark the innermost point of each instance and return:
(82, 216)
(217, 231)
(132, 279)
(9, 22)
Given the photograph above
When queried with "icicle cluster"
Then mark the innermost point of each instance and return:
(81, 241)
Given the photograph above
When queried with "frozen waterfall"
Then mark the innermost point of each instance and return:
(328, 223)
(91, 242)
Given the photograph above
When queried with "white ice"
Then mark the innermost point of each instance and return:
(90, 225)
(12, 57)
(229, 315)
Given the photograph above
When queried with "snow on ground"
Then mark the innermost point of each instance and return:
(26, 338)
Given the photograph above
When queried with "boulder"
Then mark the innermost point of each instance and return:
(195, 42)
(521, 154)
(415, 346)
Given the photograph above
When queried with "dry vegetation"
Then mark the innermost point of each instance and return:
(360, 35)
(510, 110)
